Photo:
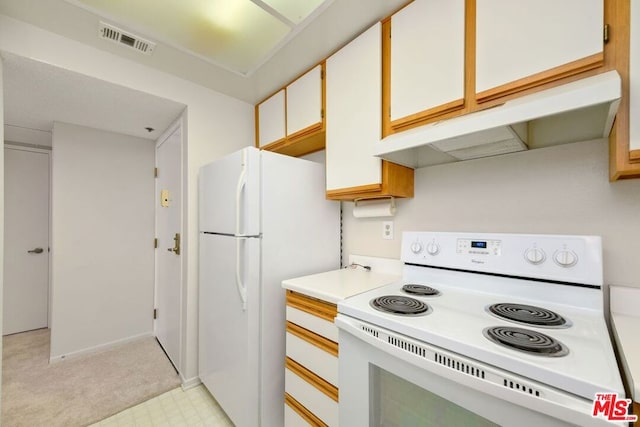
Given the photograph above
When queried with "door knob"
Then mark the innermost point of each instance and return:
(176, 247)
(36, 251)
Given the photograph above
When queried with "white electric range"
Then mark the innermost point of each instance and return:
(483, 329)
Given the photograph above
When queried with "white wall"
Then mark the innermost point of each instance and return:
(1, 210)
(102, 195)
(217, 125)
(557, 190)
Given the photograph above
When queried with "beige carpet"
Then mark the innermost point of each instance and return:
(81, 390)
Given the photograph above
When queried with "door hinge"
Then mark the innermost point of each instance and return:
(322, 113)
(155, 313)
(155, 243)
(605, 33)
(155, 172)
(321, 74)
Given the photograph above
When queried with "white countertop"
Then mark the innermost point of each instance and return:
(334, 286)
(625, 319)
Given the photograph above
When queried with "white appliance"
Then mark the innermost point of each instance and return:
(445, 364)
(263, 218)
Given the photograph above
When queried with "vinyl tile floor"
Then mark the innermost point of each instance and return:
(175, 408)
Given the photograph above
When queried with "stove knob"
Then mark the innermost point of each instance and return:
(416, 247)
(433, 248)
(535, 256)
(565, 258)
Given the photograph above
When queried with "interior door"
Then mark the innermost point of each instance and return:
(168, 253)
(26, 249)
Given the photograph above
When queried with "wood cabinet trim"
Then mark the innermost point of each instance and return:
(319, 383)
(275, 145)
(346, 193)
(302, 133)
(470, 56)
(307, 415)
(397, 181)
(386, 77)
(617, 15)
(322, 309)
(634, 155)
(538, 79)
(426, 116)
(636, 411)
(313, 338)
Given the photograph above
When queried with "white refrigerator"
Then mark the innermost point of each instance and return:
(263, 218)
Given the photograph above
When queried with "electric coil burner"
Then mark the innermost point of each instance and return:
(528, 315)
(526, 340)
(421, 290)
(400, 305)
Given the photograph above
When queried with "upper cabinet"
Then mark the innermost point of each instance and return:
(271, 126)
(292, 120)
(445, 58)
(624, 141)
(304, 103)
(425, 60)
(521, 44)
(354, 125)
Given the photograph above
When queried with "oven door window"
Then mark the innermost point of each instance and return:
(398, 402)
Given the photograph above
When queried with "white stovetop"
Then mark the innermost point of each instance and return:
(459, 317)
(334, 286)
(625, 318)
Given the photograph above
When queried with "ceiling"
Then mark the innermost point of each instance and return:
(37, 94)
(264, 45)
(237, 35)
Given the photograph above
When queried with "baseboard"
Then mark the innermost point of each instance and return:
(83, 352)
(190, 383)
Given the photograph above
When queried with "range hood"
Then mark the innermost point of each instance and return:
(578, 111)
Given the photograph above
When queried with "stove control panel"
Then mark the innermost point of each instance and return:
(478, 247)
(566, 258)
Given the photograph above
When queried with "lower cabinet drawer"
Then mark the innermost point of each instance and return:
(319, 397)
(315, 353)
(296, 415)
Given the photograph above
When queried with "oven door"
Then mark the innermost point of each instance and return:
(387, 379)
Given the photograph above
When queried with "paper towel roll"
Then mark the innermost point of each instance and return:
(374, 208)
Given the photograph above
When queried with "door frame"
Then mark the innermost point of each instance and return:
(34, 149)
(180, 123)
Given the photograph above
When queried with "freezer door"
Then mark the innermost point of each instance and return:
(229, 344)
(229, 191)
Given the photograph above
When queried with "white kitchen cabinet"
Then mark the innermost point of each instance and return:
(271, 125)
(427, 58)
(311, 373)
(634, 81)
(354, 91)
(304, 102)
(292, 121)
(520, 44)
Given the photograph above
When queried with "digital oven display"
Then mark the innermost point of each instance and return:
(481, 245)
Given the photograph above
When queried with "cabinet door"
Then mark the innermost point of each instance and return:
(534, 40)
(271, 120)
(427, 57)
(634, 80)
(354, 112)
(304, 102)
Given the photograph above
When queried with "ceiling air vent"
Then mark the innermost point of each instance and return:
(120, 36)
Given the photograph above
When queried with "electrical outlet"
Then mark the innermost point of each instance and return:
(387, 230)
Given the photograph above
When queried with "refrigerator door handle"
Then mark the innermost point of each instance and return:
(242, 181)
(242, 290)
